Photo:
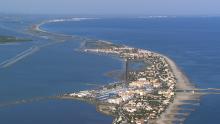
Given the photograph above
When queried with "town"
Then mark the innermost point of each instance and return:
(142, 96)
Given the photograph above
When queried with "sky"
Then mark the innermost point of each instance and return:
(112, 7)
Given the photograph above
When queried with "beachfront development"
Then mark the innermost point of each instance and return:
(152, 88)
(142, 96)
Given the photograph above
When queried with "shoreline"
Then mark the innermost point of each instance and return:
(182, 81)
(36, 28)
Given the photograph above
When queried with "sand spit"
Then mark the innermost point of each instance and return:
(183, 83)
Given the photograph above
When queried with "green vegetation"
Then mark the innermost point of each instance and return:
(11, 39)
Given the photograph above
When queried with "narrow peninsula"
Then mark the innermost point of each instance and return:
(151, 92)
(145, 95)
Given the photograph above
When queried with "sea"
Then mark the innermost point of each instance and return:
(192, 42)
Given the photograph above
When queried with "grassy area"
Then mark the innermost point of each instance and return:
(11, 39)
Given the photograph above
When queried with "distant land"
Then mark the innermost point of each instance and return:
(12, 39)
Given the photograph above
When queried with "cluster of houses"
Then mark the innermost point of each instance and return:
(146, 94)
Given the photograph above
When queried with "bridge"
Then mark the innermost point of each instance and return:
(203, 91)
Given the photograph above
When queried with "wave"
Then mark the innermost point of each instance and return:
(18, 57)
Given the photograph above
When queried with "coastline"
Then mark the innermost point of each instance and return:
(183, 83)
(36, 28)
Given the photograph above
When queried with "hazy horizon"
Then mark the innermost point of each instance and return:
(113, 7)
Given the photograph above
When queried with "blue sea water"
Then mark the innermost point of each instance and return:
(192, 42)
(52, 112)
(51, 71)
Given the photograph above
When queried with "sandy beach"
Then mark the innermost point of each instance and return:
(183, 83)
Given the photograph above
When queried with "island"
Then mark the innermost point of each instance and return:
(147, 94)
(12, 39)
